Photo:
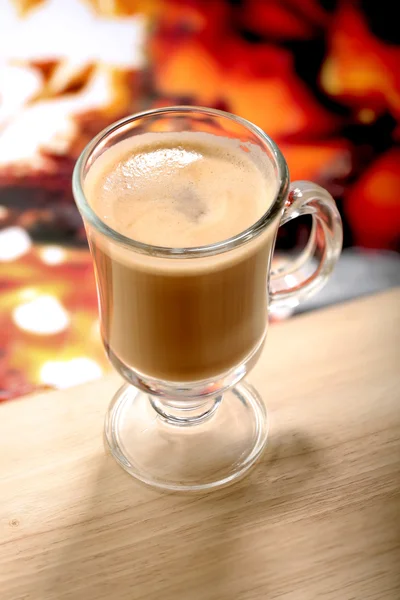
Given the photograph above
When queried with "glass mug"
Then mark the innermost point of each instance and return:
(183, 326)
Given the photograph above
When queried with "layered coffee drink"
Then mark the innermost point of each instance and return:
(181, 318)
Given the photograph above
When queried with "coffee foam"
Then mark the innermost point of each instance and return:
(181, 190)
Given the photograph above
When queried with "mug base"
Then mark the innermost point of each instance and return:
(181, 455)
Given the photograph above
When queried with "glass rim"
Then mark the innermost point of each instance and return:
(189, 252)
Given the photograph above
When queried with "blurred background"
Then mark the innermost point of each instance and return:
(320, 76)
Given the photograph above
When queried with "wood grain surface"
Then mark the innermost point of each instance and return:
(318, 517)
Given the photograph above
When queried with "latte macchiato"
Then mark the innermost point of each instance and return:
(172, 318)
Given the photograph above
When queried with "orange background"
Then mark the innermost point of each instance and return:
(320, 77)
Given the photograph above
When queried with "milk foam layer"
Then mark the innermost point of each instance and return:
(180, 190)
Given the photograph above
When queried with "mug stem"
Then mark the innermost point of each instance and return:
(186, 413)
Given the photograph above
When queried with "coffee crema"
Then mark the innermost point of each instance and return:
(181, 319)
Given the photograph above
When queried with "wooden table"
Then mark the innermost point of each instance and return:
(318, 517)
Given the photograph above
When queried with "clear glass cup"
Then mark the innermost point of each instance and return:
(185, 420)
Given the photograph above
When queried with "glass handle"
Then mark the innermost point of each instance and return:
(307, 274)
